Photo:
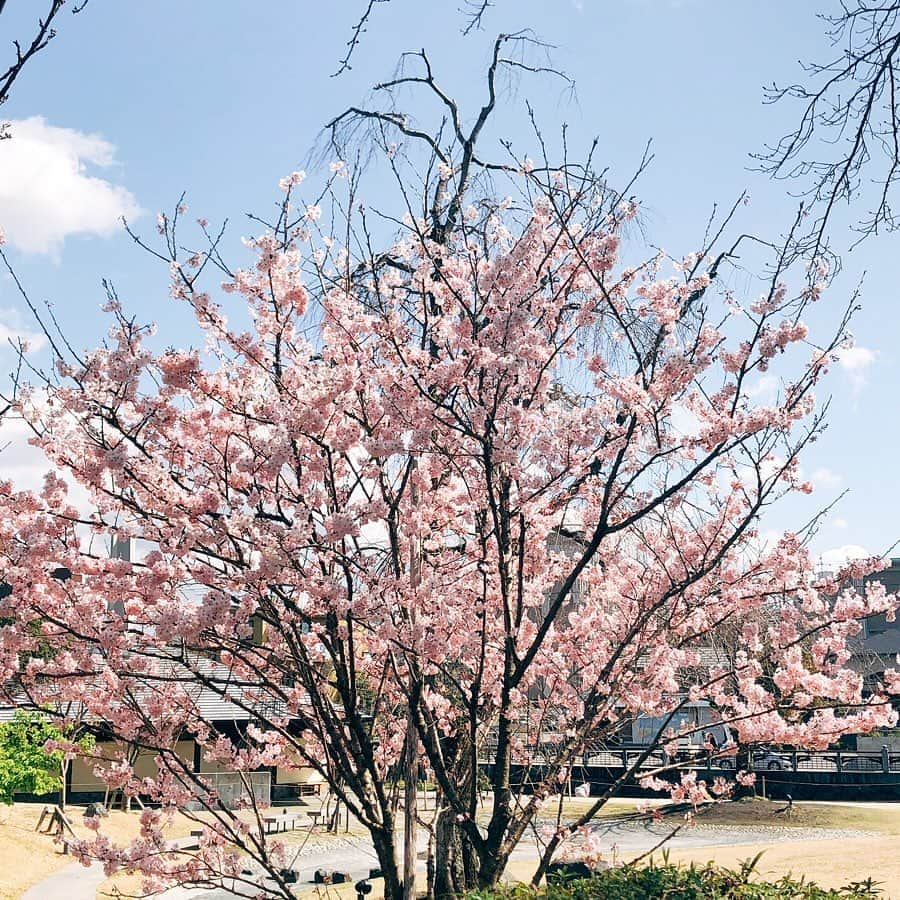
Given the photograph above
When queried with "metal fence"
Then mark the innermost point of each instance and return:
(762, 760)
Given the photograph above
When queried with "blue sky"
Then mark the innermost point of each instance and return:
(134, 103)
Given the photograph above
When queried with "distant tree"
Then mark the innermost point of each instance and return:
(27, 766)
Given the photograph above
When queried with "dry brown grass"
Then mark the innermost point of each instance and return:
(830, 863)
(27, 857)
(878, 817)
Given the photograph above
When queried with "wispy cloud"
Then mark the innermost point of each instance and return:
(764, 389)
(823, 477)
(856, 362)
(12, 330)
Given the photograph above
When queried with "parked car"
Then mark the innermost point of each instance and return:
(763, 758)
(694, 726)
(772, 761)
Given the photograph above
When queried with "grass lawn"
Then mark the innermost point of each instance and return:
(27, 857)
(830, 862)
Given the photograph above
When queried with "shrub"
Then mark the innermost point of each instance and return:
(692, 882)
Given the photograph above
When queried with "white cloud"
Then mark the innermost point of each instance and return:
(47, 192)
(855, 361)
(823, 477)
(683, 421)
(839, 556)
(12, 329)
(765, 388)
(768, 539)
(25, 466)
(840, 523)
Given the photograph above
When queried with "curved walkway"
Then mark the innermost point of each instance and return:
(79, 882)
(354, 856)
(74, 882)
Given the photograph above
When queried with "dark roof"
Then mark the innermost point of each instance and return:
(213, 688)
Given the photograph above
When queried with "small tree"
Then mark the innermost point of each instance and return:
(27, 766)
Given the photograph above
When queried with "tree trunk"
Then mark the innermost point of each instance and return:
(456, 864)
(430, 870)
(410, 811)
(444, 857)
(387, 862)
(491, 868)
(64, 771)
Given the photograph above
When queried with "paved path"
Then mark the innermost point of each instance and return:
(355, 856)
(75, 882)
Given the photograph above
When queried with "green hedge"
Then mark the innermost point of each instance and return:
(673, 882)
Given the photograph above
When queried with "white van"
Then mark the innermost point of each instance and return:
(696, 720)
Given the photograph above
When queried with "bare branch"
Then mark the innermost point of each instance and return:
(847, 135)
(359, 29)
(44, 34)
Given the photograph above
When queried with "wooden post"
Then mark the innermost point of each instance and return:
(44, 813)
(64, 773)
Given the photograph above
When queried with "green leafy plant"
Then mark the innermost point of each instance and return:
(707, 882)
(25, 765)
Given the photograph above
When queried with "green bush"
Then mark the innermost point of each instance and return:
(673, 882)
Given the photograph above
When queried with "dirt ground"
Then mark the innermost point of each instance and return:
(829, 862)
(27, 857)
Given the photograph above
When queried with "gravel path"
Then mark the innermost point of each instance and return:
(634, 838)
(355, 856)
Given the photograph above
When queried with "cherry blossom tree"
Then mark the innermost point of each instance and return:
(498, 475)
